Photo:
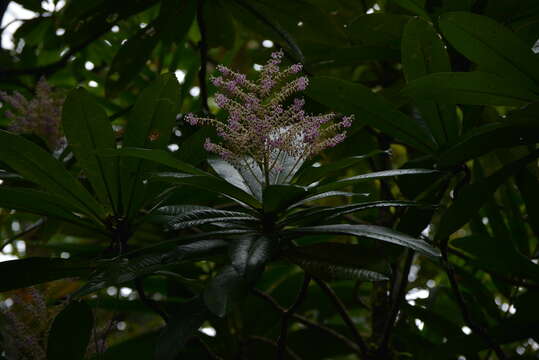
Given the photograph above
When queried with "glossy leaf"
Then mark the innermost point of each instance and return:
(373, 232)
(88, 131)
(70, 332)
(279, 197)
(249, 254)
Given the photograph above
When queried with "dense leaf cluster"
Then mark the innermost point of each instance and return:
(416, 237)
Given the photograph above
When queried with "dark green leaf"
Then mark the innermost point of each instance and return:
(36, 165)
(37, 270)
(150, 126)
(224, 291)
(88, 130)
(70, 332)
(182, 325)
(331, 261)
(492, 46)
(475, 88)
(382, 29)
(473, 196)
(279, 197)
(249, 254)
(423, 53)
(371, 108)
(373, 232)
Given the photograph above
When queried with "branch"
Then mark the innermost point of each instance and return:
(397, 301)
(476, 327)
(287, 314)
(203, 47)
(307, 322)
(341, 309)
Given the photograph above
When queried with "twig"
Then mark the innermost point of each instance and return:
(287, 314)
(476, 327)
(397, 301)
(289, 351)
(22, 233)
(341, 309)
(203, 48)
(149, 302)
(307, 322)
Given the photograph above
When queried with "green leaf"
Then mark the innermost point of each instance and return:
(249, 254)
(208, 183)
(379, 29)
(38, 166)
(158, 156)
(181, 326)
(127, 269)
(309, 174)
(473, 196)
(348, 97)
(492, 46)
(414, 6)
(70, 332)
(324, 195)
(486, 138)
(199, 216)
(40, 203)
(231, 175)
(279, 197)
(36, 270)
(332, 261)
(224, 291)
(373, 232)
(372, 176)
(475, 88)
(329, 213)
(149, 127)
(88, 130)
(423, 53)
(172, 23)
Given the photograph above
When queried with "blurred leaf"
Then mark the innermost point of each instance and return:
(492, 46)
(379, 29)
(423, 53)
(372, 232)
(414, 6)
(349, 97)
(88, 130)
(475, 88)
(528, 185)
(37, 270)
(70, 332)
(36, 165)
(219, 25)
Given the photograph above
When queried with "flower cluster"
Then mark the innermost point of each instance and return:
(40, 116)
(260, 127)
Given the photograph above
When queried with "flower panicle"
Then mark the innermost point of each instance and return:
(263, 124)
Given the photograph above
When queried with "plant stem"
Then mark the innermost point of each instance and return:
(281, 341)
